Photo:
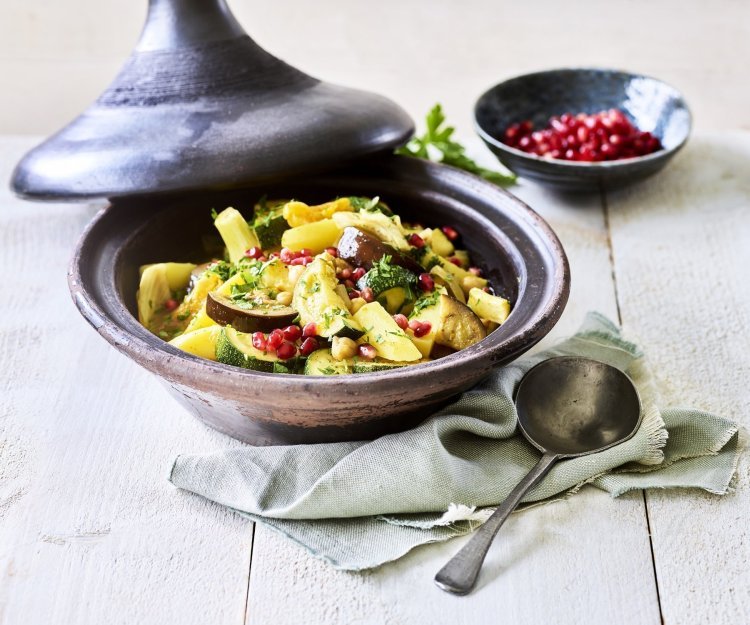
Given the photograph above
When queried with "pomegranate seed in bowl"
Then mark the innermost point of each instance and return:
(604, 136)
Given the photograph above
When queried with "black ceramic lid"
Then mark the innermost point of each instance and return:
(200, 105)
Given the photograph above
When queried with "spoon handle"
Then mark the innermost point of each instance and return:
(460, 573)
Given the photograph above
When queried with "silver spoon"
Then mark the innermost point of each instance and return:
(567, 407)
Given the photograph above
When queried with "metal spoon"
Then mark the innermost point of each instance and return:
(567, 407)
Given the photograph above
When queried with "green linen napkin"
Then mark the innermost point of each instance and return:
(358, 505)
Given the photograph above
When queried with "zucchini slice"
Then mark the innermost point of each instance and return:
(269, 228)
(316, 300)
(385, 275)
(382, 332)
(321, 362)
(236, 348)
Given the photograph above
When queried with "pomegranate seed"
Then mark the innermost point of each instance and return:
(367, 294)
(352, 293)
(286, 255)
(596, 137)
(366, 351)
(358, 273)
(254, 252)
(259, 341)
(332, 251)
(309, 330)
(275, 339)
(171, 304)
(286, 350)
(416, 241)
(300, 260)
(309, 345)
(262, 258)
(451, 233)
(349, 284)
(305, 251)
(306, 260)
(425, 281)
(422, 329)
(401, 321)
(475, 270)
(414, 324)
(455, 260)
(345, 273)
(292, 333)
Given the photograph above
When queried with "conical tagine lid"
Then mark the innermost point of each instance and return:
(200, 105)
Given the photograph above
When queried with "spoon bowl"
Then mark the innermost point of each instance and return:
(567, 407)
(593, 406)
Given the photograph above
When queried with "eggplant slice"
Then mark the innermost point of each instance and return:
(259, 318)
(363, 250)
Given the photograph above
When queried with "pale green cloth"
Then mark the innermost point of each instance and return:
(358, 505)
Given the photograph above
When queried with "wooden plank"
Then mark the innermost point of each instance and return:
(682, 253)
(90, 530)
(586, 559)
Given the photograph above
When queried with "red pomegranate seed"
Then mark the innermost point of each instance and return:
(292, 333)
(349, 284)
(596, 137)
(475, 270)
(254, 252)
(416, 241)
(171, 304)
(309, 345)
(358, 273)
(310, 329)
(401, 321)
(352, 293)
(275, 339)
(305, 251)
(286, 255)
(332, 251)
(259, 341)
(414, 324)
(425, 281)
(367, 351)
(455, 260)
(345, 273)
(300, 260)
(286, 350)
(306, 260)
(422, 329)
(451, 233)
(367, 294)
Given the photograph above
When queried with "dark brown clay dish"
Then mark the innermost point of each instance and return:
(516, 249)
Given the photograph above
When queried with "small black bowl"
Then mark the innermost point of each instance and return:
(651, 105)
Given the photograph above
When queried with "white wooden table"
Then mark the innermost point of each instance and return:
(91, 532)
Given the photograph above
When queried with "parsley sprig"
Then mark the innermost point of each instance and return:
(439, 136)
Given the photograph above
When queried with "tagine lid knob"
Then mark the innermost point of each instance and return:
(199, 105)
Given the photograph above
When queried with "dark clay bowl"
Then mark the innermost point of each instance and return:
(519, 252)
(651, 105)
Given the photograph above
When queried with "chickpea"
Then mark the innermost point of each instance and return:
(343, 348)
(284, 298)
